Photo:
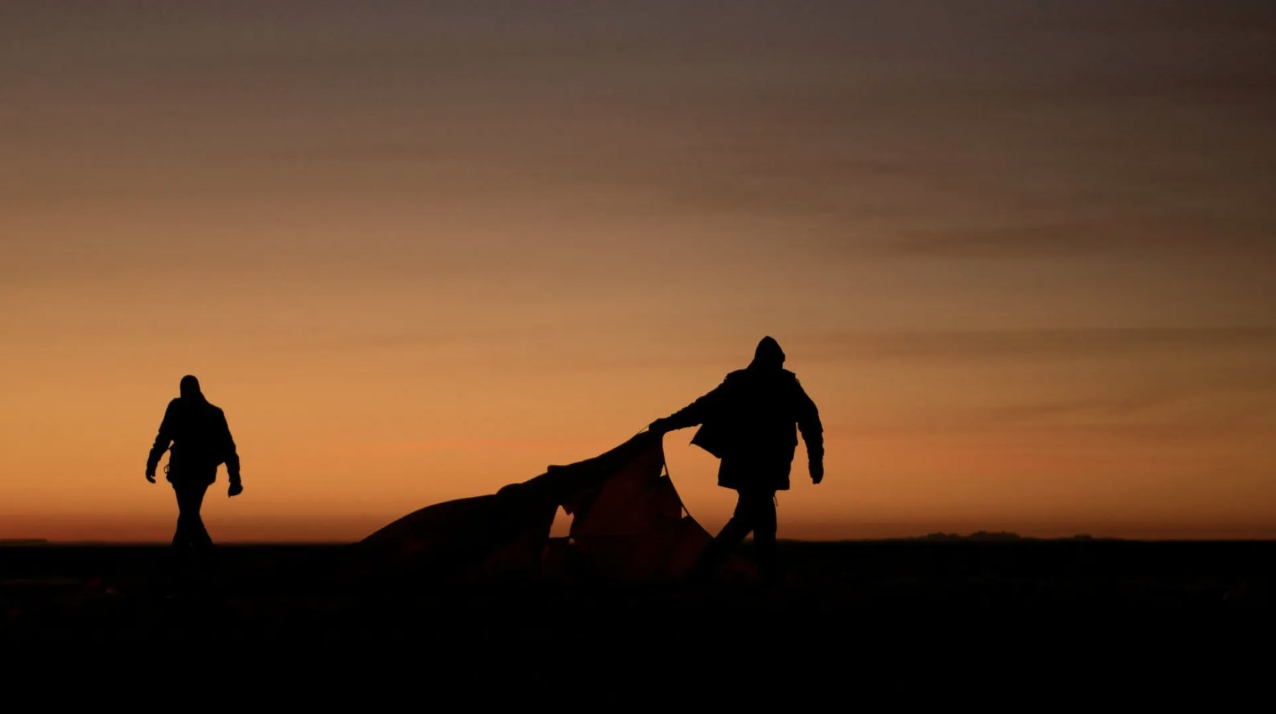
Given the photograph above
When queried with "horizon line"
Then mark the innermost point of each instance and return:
(930, 537)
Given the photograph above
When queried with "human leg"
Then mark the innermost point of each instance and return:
(181, 540)
(762, 515)
(190, 526)
(720, 547)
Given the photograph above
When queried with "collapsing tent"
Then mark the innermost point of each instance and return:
(628, 523)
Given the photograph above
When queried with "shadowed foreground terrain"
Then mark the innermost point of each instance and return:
(905, 616)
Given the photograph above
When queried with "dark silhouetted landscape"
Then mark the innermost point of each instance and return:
(1106, 617)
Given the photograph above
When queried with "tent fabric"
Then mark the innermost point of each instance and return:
(628, 523)
(460, 538)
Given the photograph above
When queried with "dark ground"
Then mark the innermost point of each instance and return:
(920, 620)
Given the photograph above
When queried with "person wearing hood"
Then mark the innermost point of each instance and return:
(748, 422)
(201, 441)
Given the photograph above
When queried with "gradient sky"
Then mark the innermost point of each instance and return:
(1020, 254)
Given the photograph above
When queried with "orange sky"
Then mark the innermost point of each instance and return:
(1020, 255)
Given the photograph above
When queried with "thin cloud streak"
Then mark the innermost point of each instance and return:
(536, 446)
(1053, 343)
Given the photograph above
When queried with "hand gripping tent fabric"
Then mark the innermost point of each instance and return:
(628, 524)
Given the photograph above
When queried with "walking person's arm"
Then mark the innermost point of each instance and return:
(808, 420)
(692, 414)
(162, 441)
(231, 456)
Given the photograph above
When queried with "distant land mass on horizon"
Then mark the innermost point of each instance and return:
(1000, 535)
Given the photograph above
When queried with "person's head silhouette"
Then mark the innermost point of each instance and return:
(768, 355)
(190, 388)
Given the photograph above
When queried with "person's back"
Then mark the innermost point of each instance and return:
(756, 420)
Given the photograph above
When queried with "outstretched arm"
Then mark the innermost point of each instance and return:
(808, 420)
(692, 414)
(162, 441)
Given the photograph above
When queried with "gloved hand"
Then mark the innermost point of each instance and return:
(150, 475)
(817, 471)
(236, 488)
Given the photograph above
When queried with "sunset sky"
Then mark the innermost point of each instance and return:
(1022, 255)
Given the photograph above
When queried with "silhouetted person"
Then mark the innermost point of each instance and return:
(749, 423)
(201, 442)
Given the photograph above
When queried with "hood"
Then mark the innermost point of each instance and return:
(768, 355)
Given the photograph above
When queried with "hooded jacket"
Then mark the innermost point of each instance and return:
(751, 421)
